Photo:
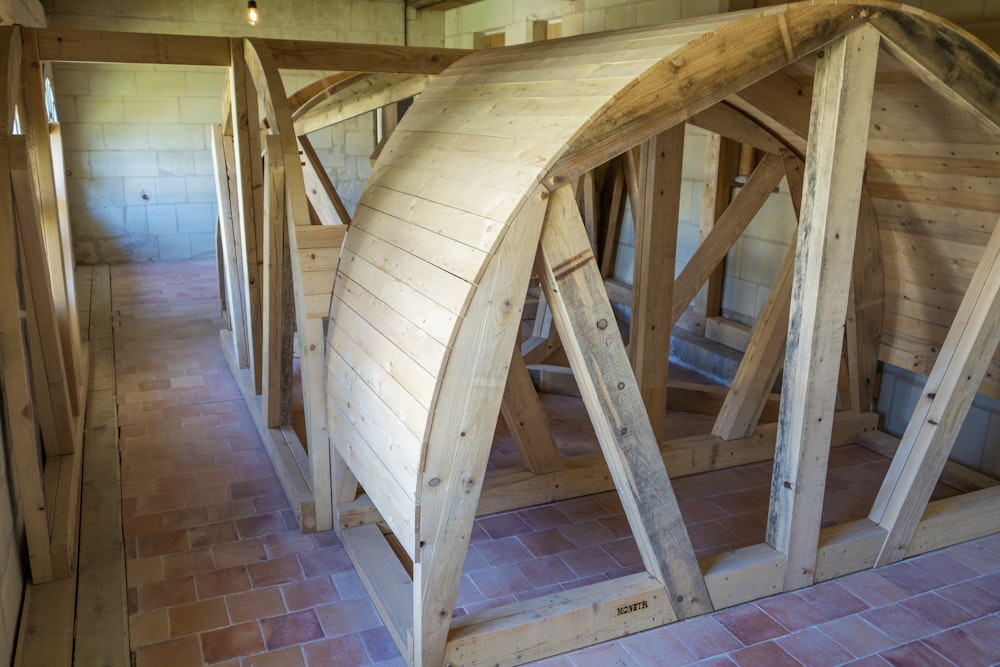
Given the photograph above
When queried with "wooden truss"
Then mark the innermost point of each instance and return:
(412, 392)
(406, 328)
(42, 357)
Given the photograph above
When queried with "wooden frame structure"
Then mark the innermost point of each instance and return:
(433, 271)
(44, 362)
(407, 334)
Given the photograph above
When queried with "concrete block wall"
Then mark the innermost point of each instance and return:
(139, 167)
(978, 443)
(515, 17)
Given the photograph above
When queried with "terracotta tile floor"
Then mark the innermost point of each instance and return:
(219, 574)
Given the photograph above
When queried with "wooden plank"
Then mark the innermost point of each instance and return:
(953, 474)
(444, 254)
(473, 230)
(362, 97)
(69, 261)
(587, 474)
(528, 425)
(412, 304)
(847, 548)
(726, 231)
(388, 366)
(781, 101)
(406, 335)
(93, 46)
(865, 310)
(249, 172)
(665, 97)
(263, 70)
(583, 314)
(319, 188)
(387, 582)
(279, 310)
(708, 400)
(21, 434)
(350, 57)
(957, 519)
(460, 437)
(750, 573)
(35, 121)
(101, 606)
(224, 162)
(833, 176)
(45, 634)
(232, 249)
(428, 278)
(655, 256)
(290, 476)
(42, 312)
(722, 119)
(935, 50)
(535, 629)
(930, 434)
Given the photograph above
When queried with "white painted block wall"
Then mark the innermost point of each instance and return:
(139, 169)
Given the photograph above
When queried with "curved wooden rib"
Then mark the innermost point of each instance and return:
(316, 92)
(360, 96)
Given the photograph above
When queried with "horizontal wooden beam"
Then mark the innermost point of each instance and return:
(298, 54)
(97, 46)
(505, 490)
(140, 48)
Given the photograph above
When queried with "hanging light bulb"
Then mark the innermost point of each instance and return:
(252, 15)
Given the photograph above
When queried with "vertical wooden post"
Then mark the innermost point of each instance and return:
(583, 314)
(278, 307)
(655, 258)
(838, 129)
(614, 205)
(721, 164)
(39, 150)
(232, 249)
(43, 308)
(930, 434)
(864, 310)
(21, 433)
(250, 186)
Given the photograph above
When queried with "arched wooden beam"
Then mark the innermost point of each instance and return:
(702, 73)
(358, 97)
(304, 99)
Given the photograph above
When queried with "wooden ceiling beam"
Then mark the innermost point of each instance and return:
(158, 49)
